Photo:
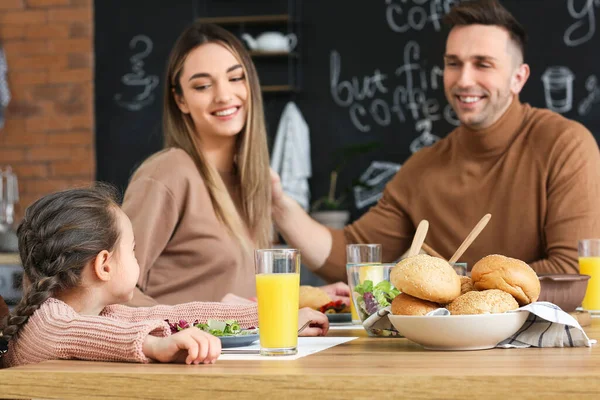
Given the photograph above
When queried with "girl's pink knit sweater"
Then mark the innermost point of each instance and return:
(56, 331)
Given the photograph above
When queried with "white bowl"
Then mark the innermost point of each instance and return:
(459, 332)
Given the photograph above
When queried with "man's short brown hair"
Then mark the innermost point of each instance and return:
(487, 12)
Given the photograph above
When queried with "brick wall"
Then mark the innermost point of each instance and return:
(48, 136)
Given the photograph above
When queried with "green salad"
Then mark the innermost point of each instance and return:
(374, 297)
(214, 327)
(224, 328)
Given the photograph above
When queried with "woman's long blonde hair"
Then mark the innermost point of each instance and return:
(252, 154)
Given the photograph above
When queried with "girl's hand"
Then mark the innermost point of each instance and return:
(319, 325)
(190, 345)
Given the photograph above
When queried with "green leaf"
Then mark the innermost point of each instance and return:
(381, 298)
(366, 286)
(202, 326)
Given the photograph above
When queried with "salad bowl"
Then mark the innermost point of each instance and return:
(371, 291)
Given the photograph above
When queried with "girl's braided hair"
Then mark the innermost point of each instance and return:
(60, 234)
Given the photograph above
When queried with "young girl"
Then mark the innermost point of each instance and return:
(77, 250)
(201, 206)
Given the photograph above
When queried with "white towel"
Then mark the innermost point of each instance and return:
(547, 326)
(291, 155)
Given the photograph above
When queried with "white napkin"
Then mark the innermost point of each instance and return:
(546, 326)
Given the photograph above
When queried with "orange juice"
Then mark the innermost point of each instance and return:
(591, 266)
(355, 317)
(277, 296)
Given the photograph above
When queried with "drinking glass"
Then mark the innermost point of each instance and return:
(589, 264)
(277, 292)
(361, 254)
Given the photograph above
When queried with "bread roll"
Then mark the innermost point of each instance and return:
(508, 274)
(492, 301)
(427, 278)
(466, 285)
(404, 304)
(313, 297)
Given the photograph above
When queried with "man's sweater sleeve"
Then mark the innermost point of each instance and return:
(573, 195)
(245, 314)
(385, 223)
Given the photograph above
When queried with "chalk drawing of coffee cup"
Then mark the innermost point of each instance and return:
(558, 88)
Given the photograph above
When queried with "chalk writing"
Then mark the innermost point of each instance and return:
(426, 138)
(584, 27)
(138, 78)
(367, 97)
(591, 85)
(404, 15)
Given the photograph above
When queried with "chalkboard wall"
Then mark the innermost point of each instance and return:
(370, 71)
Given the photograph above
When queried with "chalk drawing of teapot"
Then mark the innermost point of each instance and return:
(271, 41)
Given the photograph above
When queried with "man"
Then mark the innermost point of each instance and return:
(536, 172)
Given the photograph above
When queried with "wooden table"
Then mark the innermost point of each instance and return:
(372, 368)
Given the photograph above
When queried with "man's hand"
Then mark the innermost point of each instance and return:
(338, 291)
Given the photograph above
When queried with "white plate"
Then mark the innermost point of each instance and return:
(459, 332)
(339, 317)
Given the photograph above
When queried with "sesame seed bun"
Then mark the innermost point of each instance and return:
(508, 274)
(426, 278)
(491, 301)
(466, 285)
(403, 304)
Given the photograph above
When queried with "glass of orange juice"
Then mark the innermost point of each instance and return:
(589, 264)
(361, 254)
(277, 293)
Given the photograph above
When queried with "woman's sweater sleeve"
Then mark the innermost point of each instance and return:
(245, 314)
(153, 212)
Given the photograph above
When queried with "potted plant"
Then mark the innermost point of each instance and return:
(331, 210)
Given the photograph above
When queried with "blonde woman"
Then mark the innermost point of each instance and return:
(200, 206)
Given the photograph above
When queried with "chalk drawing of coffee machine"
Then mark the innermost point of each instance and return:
(558, 88)
(139, 85)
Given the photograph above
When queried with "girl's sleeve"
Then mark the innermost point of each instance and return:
(98, 338)
(245, 314)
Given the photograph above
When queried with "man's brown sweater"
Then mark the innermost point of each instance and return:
(535, 171)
